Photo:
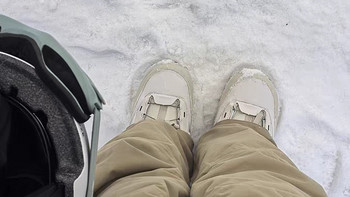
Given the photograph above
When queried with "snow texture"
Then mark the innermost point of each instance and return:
(304, 45)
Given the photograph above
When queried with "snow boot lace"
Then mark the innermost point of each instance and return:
(168, 113)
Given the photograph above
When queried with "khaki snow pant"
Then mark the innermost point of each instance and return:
(235, 158)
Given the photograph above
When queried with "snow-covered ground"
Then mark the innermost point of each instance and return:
(304, 45)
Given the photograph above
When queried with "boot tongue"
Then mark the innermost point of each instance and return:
(247, 112)
(161, 107)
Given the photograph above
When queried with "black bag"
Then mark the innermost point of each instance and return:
(40, 148)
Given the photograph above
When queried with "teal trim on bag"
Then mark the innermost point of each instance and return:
(93, 97)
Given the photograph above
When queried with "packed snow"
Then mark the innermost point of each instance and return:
(303, 45)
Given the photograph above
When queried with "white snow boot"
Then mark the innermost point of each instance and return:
(250, 96)
(165, 93)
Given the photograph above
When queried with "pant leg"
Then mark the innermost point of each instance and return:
(150, 158)
(238, 158)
